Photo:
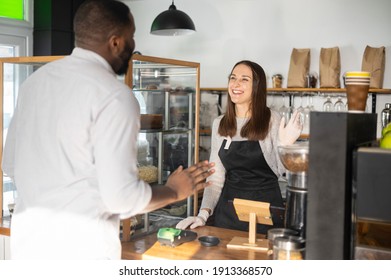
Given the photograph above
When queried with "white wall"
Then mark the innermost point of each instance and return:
(266, 31)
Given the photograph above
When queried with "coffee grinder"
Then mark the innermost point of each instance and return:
(295, 159)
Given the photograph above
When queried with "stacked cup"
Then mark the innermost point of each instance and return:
(357, 88)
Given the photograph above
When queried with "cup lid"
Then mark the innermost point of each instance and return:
(278, 232)
(357, 74)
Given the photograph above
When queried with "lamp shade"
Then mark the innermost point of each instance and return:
(172, 23)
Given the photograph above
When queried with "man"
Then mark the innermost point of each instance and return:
(71, 147)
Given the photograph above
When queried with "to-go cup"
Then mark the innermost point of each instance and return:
(357, 88)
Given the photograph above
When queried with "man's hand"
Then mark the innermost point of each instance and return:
(180, 184)
(185, 181)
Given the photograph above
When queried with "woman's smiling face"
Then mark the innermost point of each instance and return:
(240, 85)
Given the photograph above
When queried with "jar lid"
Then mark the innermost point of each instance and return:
(279, 232)
(289, 242)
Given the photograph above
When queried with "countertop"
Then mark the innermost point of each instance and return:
(148, 247)
(371, 236)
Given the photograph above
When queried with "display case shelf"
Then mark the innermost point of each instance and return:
(169, 88)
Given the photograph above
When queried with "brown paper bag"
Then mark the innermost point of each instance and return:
(329, 68)
(373, 61)
(298, 68)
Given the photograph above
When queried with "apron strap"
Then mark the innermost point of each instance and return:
(228, 143)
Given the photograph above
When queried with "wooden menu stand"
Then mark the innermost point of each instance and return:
(253, 212)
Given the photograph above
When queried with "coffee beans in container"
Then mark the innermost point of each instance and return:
(289, 248)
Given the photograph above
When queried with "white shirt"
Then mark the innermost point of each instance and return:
(71, 151)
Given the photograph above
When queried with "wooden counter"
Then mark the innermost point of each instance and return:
(148, 247)
(5, 227)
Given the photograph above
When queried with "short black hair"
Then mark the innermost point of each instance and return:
(96, 20)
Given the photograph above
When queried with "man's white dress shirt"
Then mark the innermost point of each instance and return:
(71, 151)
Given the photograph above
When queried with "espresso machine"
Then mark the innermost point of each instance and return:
(331, 175)
(371, 185)
(295, 159)
(339, 188)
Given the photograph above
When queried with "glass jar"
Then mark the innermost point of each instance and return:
(289, 248)
(273, 233)
(311, 80)
(277, 80)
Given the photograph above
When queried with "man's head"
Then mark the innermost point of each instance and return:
(107, 28)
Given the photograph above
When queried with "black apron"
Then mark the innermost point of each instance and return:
(248, 176)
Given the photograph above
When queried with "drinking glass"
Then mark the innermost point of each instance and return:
(339, 106)
(271, 101)
(328, 105)
(284, 110)
(301, 108)
(306, 119)
(310, 104)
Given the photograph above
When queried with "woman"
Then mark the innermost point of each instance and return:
(244, 149)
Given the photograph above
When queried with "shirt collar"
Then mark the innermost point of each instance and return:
(93, 57)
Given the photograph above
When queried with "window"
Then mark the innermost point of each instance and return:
(12, 9)
(16, 32)
(16, 13)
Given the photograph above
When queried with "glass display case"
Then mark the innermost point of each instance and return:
(168, 93)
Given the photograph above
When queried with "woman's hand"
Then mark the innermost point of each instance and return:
(194, 222)
(290, 133)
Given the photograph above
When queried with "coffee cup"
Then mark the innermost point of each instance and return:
(357, 88)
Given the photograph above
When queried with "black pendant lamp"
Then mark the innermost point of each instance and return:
(172, 23)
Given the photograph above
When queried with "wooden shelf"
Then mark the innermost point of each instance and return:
(326, 90)
(205, 131)
(214, 89)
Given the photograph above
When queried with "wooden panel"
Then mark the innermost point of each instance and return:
(160, 60)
